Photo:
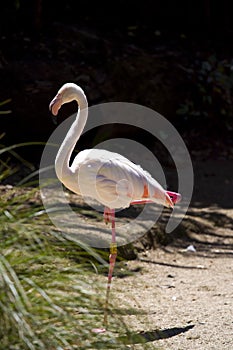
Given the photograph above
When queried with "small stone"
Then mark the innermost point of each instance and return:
(191, 248)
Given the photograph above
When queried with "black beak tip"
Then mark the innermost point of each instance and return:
(54, 119)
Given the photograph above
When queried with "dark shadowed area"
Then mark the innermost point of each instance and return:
(174, 59)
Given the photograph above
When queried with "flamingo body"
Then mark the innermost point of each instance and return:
(113, 180)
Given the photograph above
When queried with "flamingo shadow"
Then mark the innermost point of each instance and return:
(145, 336)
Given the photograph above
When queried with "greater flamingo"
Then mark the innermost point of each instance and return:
(111, 179)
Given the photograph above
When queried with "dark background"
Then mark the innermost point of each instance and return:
(172, 56)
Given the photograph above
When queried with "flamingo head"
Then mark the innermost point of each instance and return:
(66, 94)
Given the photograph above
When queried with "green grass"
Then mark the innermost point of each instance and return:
(47, 296)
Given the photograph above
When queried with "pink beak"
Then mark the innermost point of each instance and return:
(55, 105)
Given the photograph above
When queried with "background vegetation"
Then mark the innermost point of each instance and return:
(173, 57)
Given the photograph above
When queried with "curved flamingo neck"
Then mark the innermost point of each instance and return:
(62, 160)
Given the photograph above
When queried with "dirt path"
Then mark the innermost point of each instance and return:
(176, 289)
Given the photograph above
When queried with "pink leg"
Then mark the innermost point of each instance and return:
(109, 215)
(141, 201)
(175, 197)
(112, 260)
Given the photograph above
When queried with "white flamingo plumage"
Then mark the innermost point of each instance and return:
(111, 179)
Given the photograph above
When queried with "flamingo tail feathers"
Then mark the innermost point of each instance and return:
(175, 197)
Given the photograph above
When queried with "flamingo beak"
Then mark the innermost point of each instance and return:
(54, 119)
(55, 104)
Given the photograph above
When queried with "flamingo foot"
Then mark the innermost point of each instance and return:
(98, 330)
(175, 197)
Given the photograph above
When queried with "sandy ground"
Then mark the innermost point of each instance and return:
(175, 290)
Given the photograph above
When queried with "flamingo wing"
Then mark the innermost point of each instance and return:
(114, 180)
